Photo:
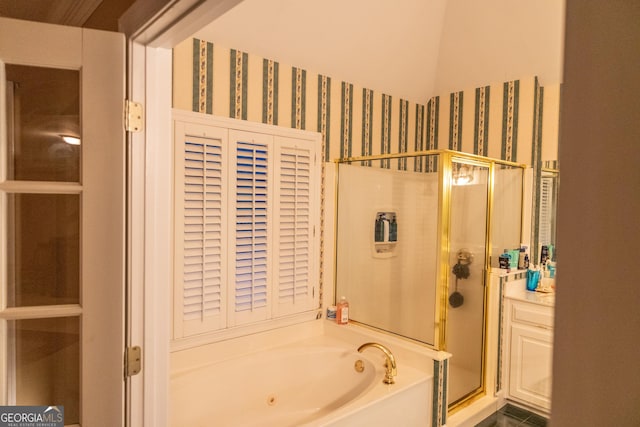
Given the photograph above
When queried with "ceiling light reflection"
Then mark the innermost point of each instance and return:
(71, 140)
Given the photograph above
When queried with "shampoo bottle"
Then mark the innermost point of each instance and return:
(505, 260)
(393, 230)
(521, 259)
(342, 311)
(379, 229)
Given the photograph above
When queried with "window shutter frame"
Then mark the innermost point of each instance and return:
(227, 136)
(196, 307)
(296, 241)
(249, 305)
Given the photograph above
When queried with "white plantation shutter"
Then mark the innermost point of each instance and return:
(251, 227)
(247, 207)
(295, 278)
(200, 269)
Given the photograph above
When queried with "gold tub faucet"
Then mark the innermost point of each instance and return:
(390, 363)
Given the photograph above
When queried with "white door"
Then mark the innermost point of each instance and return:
(62, 229)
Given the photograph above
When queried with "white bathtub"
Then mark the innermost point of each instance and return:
(310, 382)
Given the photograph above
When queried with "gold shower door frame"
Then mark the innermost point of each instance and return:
(447, 158)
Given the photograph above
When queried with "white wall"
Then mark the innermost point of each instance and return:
(390, 47)
(414, 49)
(499, 40)
(551, 121)
(390, 292)
(596, 378)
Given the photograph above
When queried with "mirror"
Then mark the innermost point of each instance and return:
(43, 113)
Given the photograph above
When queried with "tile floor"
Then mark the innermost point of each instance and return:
(512, 416)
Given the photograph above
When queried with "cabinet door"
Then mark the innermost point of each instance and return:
(530, 365)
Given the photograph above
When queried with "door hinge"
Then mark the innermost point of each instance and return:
(132, 361)
(133, 114)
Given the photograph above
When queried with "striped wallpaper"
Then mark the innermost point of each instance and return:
(269, 91)
(481, 120)
(500, 120)
(503, 120)
(536, 160)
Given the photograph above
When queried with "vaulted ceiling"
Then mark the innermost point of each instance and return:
(413, 49)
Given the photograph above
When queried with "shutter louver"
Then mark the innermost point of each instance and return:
(202, 295)
(546, 211)
(294, 263)
(251, 227)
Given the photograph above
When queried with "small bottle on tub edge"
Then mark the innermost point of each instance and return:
(342, 311)
(331, 312)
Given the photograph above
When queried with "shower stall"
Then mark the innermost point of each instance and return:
(416, 236)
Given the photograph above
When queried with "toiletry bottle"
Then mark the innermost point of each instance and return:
(331, 312)
(393, 230)
(514, 255)
(504, 260)
(342, 311)
(385, 230)
(551, 267)
(379, 229)
(521, 257)
(544, 254)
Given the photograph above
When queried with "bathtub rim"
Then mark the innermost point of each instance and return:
(410, 379)
(406, 351)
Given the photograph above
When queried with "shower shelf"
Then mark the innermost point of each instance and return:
(384, 249)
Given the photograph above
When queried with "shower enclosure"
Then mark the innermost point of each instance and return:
(416, 236)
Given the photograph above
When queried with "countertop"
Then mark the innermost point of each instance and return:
(517, 290)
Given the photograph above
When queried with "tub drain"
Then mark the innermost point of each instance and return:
(272, 400)
(359, 365)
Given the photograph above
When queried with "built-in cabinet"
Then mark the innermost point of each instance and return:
(528, 352)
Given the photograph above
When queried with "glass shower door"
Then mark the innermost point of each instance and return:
(466, 301)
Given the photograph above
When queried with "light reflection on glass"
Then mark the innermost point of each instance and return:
(42, 104)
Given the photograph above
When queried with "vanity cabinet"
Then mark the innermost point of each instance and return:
(529, 350)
